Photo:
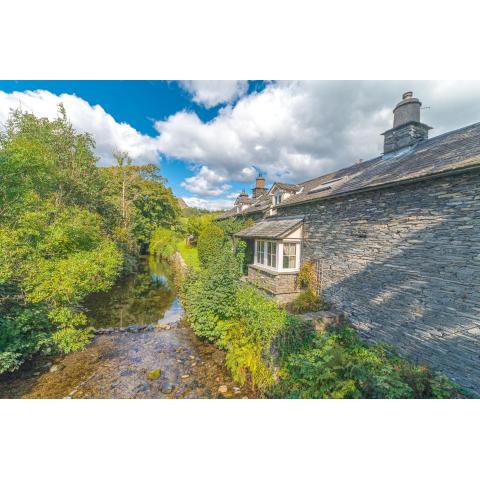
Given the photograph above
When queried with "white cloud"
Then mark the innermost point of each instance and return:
(209, 204)
(206, 182)
(291, 131)
(108, 133)
(298, 130)
(215, 92)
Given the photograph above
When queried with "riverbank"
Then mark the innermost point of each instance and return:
(159, 356)
(168, 362)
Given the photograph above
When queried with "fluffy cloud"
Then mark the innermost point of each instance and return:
(206, 182)
(297, 130)
(215, 92)
(108, 133)
(290, 131)
(209, 204)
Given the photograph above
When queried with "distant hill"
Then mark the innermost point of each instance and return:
(181, 203)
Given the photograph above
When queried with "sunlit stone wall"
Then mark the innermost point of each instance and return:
(404, 264)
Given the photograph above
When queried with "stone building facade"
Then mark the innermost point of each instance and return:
(404, 264)
(396, 242)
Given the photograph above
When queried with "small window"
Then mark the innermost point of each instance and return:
(277, 199)
(272, 254)
(289, 255)
(260, 252)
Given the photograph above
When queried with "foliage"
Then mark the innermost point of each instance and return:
(307, 276)
(67, 228)
(306, 301)
(194, 225)
(233, 225)
(337, 364)
(188, 212)
(236, 317)
(141, 198)
(248, 337)
(23, 333)
(208, 296)
(241, 254)
(210, 243)
(164, 243)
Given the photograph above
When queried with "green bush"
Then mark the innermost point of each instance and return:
(208, 296)
(24, 332)
(249, 335)
(338, 364)
(210, 243)
(233, 225)
(307, 301)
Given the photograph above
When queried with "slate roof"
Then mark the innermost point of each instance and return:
(442, 154)
(271, 228)
(445, 153)
(258, 205)
(287, 186)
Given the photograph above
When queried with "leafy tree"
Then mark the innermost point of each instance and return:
(66, 228)
(210, 243)
(164, 243)
(195, 225)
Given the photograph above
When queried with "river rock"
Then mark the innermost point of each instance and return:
(56, 368)
(142, 387)
(135, 328)
(222, 389)
(166, 388)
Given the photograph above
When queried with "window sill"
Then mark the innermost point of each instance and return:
(274, 271)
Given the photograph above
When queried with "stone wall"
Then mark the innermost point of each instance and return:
(282, 285)
(404, 264)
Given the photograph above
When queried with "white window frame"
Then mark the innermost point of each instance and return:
(279, 255)
(277, 198)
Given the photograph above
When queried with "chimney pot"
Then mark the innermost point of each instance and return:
(407, 127)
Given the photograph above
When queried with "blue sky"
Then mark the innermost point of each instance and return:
(140, 104)
(210, 138)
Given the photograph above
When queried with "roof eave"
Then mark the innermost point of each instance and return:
(408, 181)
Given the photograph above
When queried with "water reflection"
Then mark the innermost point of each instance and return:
(146, 297)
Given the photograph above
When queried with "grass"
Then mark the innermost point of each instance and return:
(189, 254)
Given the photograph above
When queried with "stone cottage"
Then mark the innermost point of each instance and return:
(395, 240)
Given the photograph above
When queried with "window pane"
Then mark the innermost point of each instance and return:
(260, 252)
(289, 255)
(272, 254)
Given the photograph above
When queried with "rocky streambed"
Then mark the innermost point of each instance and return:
(153, 359)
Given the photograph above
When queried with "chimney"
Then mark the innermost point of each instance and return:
(243, 194)
(407, 128)
(259, 186)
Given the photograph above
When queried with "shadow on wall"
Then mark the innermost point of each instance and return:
(421, 293)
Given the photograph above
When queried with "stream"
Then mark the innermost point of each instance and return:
(145, 350)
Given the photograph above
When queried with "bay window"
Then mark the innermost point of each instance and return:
(277, 255)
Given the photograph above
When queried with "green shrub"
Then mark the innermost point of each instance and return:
(339, 365)
(163, 243)
(210, 243)
(249, 335)
(233, 225)
(208, 296)
(307, 276)
(307, 301)
(24, 332)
